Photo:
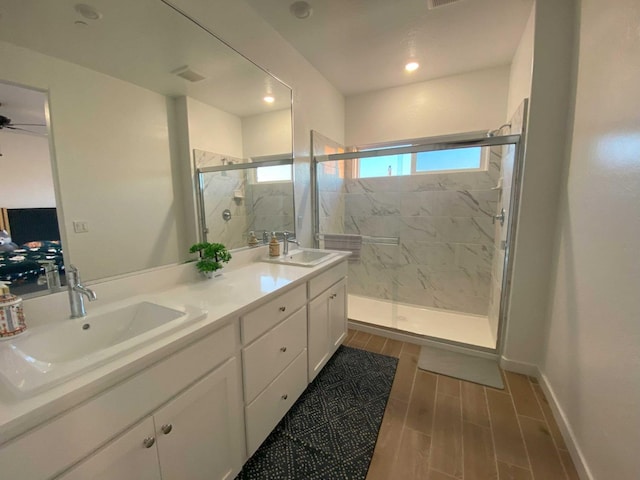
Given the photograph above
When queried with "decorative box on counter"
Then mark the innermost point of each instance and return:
(11, 316)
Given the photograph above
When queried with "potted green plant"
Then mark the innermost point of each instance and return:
(212, 256)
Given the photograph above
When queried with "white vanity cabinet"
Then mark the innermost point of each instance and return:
(274, 362)
(196, 389)
(191, 437)
(327, 316)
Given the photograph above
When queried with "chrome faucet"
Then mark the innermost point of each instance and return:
(76, 292)
(287, 240)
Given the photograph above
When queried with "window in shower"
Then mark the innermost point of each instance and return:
(435, 161)
(274, 173)
(448, 160)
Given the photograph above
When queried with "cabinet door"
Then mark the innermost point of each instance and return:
(338, 313)
(126, 457)
(200, 433)
(318, 341)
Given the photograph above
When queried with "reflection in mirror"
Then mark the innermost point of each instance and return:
(239, 198)
(30, 248)
(132, 94)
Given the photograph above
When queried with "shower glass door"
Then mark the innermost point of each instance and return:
(433, 239)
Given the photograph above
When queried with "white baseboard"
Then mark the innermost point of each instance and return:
(567, 433)
(519, 367)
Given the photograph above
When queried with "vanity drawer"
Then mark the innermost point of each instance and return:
(260, 320)
(265, 358)
(264, 413)
(323, 281)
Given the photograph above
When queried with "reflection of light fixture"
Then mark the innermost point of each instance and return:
(411, 66)
(300, 10)
(269, 98)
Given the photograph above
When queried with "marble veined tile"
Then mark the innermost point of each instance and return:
(376, 226)
(374, 204)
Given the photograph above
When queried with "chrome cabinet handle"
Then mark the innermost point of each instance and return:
(499, 217)
(166, 428)
(285, 396)
(282, 309)
(148, 442)
(283, 349)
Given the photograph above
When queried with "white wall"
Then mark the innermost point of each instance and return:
(213, 130)
(592, 359)
(461, 103)
(26, 180)
(317, 104)
(112, 160)
(521, 67)
(267, 134)
(545, 153)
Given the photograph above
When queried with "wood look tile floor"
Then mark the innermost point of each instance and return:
(440, 428)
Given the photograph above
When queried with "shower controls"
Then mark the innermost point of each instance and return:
(499, 217)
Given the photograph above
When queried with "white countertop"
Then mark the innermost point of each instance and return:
(242, 287)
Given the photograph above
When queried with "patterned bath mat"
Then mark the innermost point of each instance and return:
(331, 431)
(484, 371)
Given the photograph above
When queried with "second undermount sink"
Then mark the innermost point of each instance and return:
(46, 355)
(303, 257)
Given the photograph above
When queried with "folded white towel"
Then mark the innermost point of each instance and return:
(344, 242)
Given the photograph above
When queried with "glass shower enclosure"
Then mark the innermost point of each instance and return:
(429, 222)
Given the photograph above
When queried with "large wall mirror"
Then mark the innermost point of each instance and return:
(131, 99)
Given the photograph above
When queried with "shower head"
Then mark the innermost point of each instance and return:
(493, 133)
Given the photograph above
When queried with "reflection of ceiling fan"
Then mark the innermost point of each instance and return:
(6, 122)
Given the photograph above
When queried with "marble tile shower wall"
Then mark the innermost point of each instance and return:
(331, 198)
(218, 195)
(446, 235)
(270, 207)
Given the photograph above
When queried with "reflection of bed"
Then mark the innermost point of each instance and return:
(36, 232)
(26, 264)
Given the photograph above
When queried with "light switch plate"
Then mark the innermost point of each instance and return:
(80, 226)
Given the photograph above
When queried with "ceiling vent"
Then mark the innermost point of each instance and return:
(431, 4)
(188, 74)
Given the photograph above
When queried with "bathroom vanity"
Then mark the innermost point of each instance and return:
(196, 401)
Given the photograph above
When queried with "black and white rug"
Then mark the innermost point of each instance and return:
(331, 431)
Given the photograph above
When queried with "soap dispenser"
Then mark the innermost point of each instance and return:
(253, 240)
(274, 246)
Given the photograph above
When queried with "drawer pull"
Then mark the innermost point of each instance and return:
(333, 296)
(166, 428)
(282, 309)
(148, 442)
(283, 349)
(285, 396)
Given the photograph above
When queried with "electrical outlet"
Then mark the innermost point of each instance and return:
(80, 226)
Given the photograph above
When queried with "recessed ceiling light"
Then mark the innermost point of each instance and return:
(269, 98)
(300, 10)
(411, 66)
(87, 11)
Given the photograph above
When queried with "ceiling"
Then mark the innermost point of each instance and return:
(143, 42)
(23, 106)
(363, 45)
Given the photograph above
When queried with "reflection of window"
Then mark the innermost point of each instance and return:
(421, 162)
(274, 173)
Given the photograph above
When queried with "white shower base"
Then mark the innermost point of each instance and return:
(443, 324)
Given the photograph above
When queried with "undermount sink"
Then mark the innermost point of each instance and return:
(44, 356)
(302, 257)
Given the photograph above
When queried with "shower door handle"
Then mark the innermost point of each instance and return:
(499, 217)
